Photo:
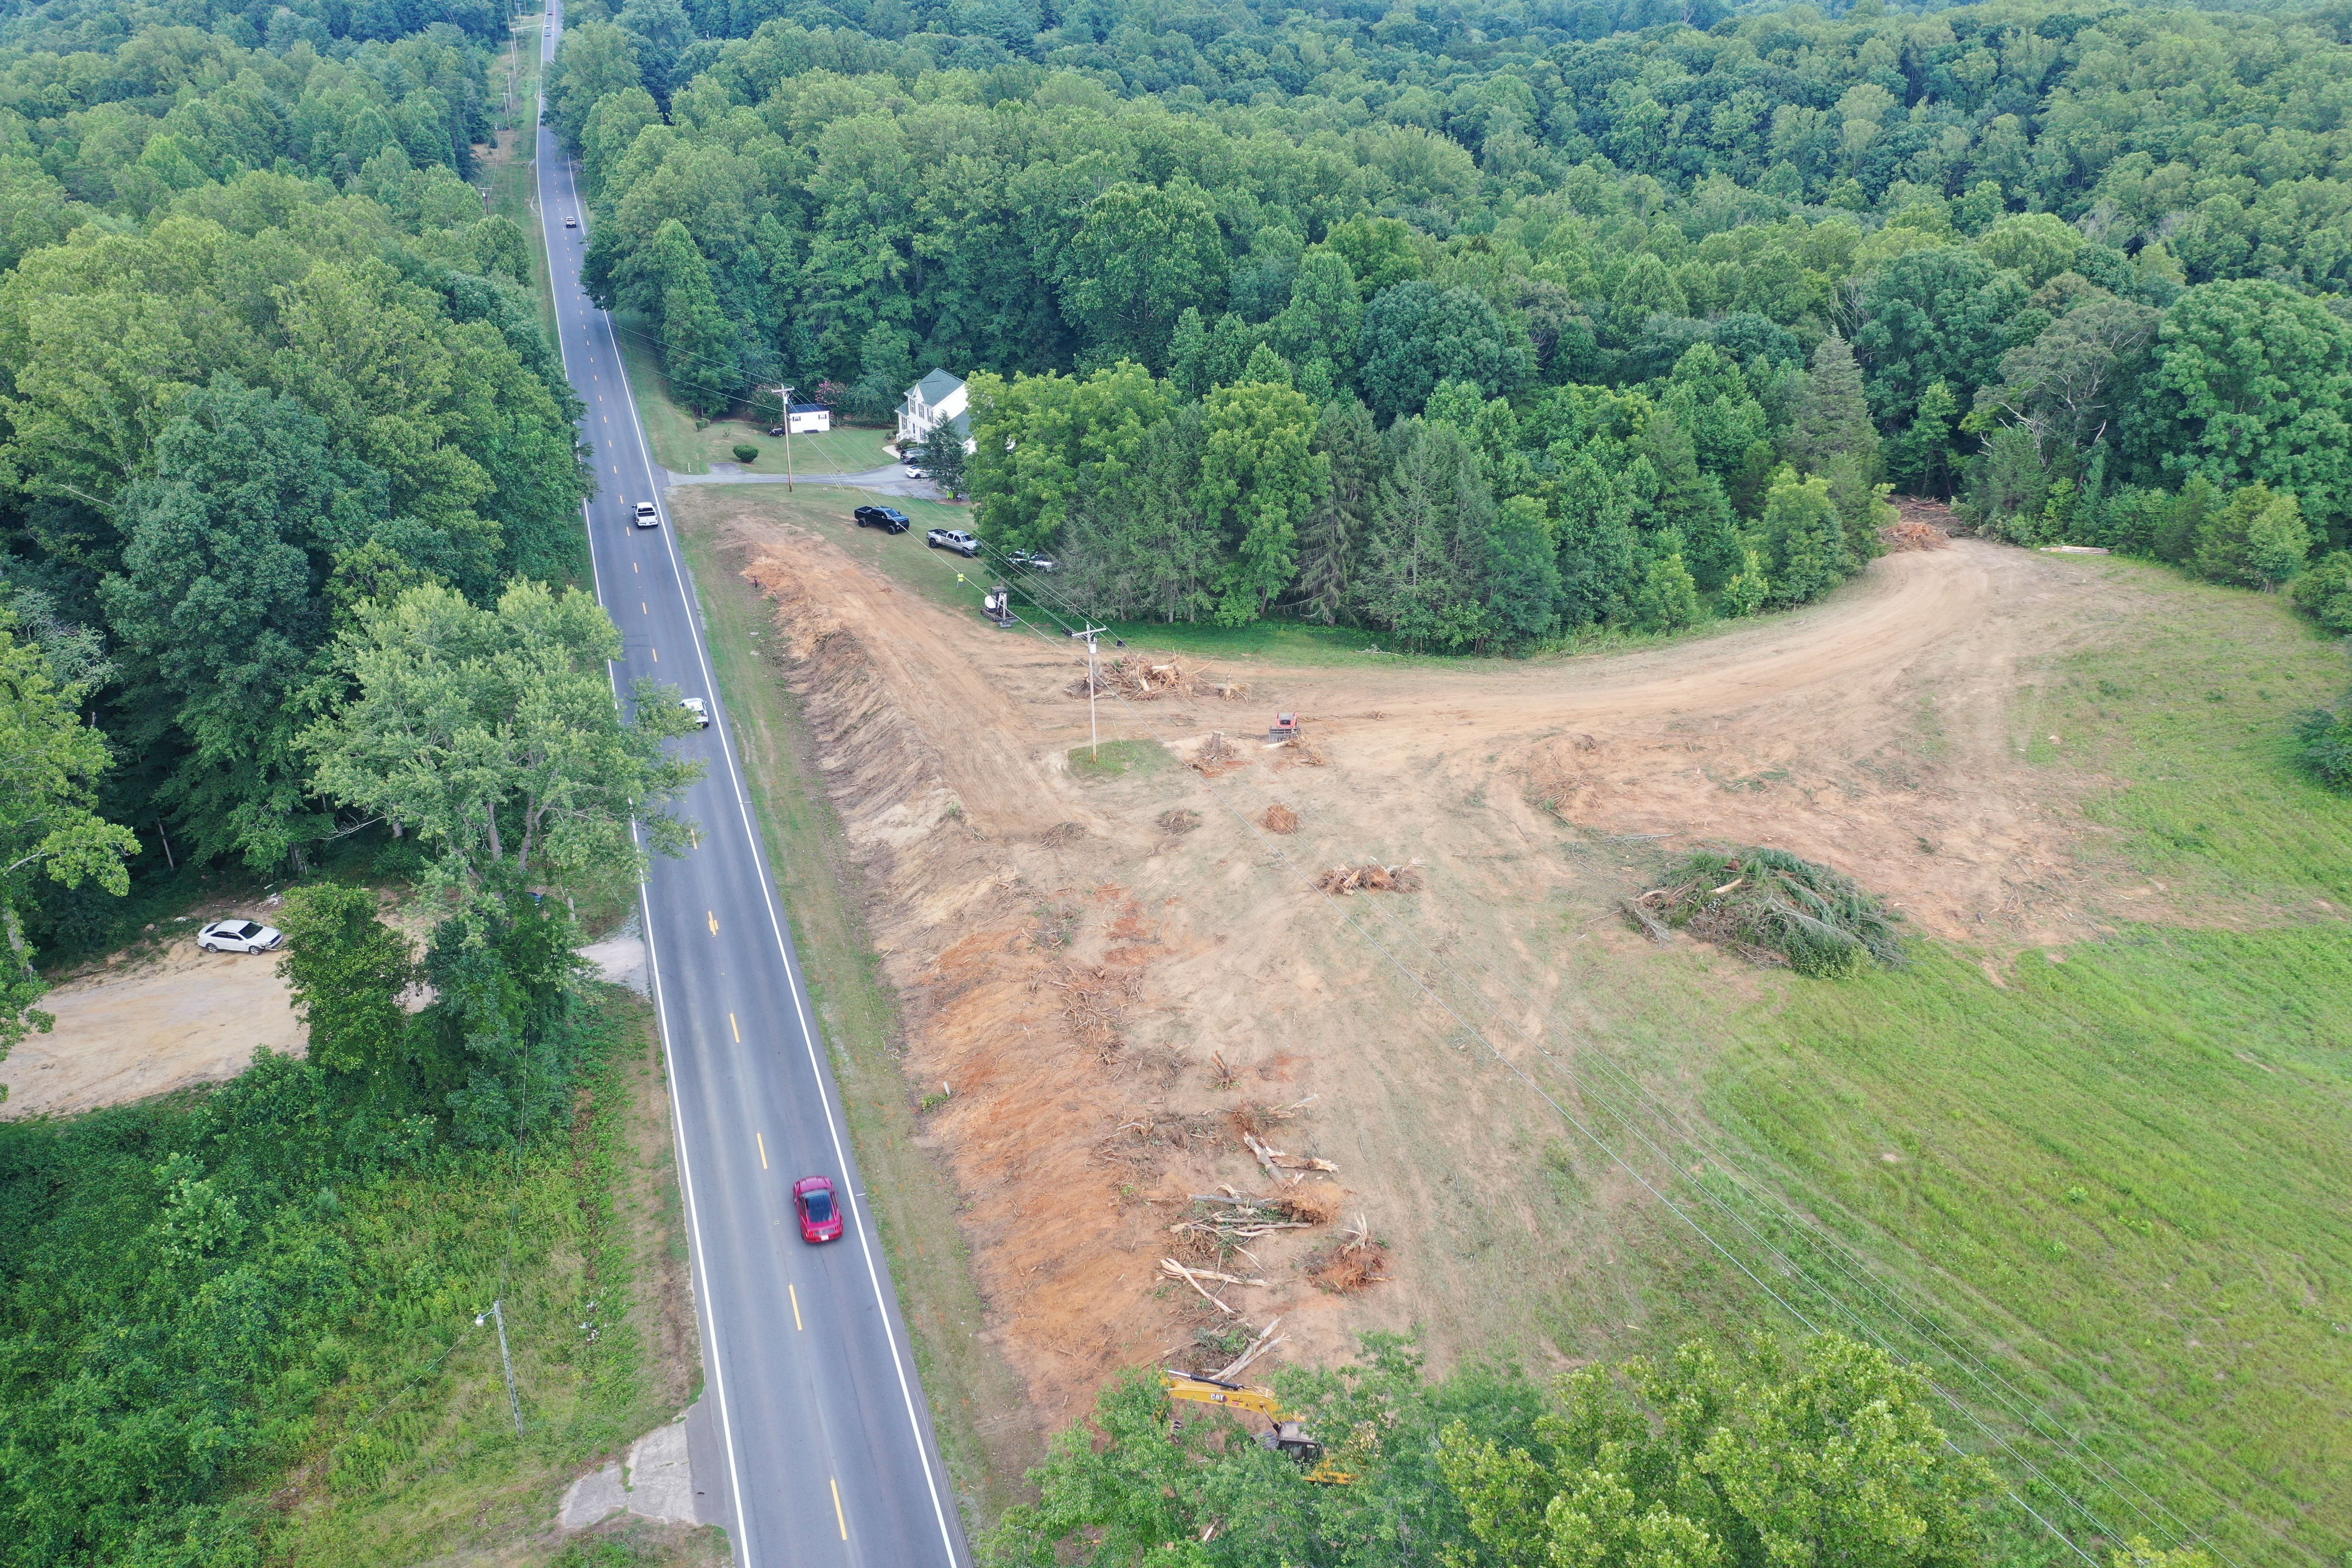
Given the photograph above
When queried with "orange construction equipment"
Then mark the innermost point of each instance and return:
(1286, 728)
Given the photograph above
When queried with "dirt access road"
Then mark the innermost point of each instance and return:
(1114, 981)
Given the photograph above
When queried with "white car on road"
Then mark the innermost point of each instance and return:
(647, 516)
(695, 711)
(239, 936)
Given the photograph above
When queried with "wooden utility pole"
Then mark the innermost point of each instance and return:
(1094, 736)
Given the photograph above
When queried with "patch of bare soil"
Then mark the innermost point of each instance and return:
(166, 1015)
(1137, 1000)
(147, 1024)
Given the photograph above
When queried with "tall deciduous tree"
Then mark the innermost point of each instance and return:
(1144, 255)
(1830, 1455)
(1416, 335)
(698, 342)
(2253, 385)
(50, 827)
(1039, 439)
(1806, 537)
(493, 735)
(1938, 312)
(217, 607)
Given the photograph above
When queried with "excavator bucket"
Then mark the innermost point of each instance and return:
(1285, 727)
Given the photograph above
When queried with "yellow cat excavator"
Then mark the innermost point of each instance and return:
(1287, 1436)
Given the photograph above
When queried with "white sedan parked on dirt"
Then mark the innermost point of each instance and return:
(239, 936)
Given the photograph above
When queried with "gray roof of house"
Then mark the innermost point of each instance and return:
(936, 386)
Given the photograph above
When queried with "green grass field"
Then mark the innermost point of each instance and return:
(681, 448)
(2122, 1180)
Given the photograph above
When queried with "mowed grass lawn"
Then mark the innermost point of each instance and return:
(2125, 1178)
(681, 448)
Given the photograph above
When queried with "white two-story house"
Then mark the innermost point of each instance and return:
(938, 399)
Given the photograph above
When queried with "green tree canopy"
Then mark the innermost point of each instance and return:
(493, 735)
(2251, 386)
(1416, 335)
(1143, 256)
(50, 761)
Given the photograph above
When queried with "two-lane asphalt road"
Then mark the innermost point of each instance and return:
(829, 1458)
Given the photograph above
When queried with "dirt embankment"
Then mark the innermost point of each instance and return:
(1119, 983)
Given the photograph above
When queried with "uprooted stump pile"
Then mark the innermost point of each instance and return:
(1772, 907)
(1913, 534)
(1279, 818)
(1356, 1264)
(1373, 877)
(1141, 680)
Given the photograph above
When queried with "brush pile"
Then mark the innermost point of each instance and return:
(1771, 907)
(1279, 818)
(1141, 680)
(1913, 534)
(1178, 821)
(1093, 1005)
(1373, 877)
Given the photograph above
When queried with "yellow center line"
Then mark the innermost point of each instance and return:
(796, 1316)
(714, 921)
(732, 1025)
(635, 567)
(838, 1517)
(656, 656)
(642, 609)
(763, 1148)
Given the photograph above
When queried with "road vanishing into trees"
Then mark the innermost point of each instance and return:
(828, 1453)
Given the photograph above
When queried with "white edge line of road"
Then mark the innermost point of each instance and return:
(709, 1310)
(775, 926)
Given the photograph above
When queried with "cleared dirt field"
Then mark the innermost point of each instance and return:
(1116, 977)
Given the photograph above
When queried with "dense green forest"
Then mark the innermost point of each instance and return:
(1482, 324)
(1769, 1459)
(286, 467)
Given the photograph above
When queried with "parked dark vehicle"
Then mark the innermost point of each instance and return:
(888, 518)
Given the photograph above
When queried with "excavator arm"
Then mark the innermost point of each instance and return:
(1288, 1435)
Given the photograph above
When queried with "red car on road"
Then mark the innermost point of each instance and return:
(819, 1207)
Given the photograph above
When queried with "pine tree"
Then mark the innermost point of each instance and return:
(1522, 571)
(1833, 414)
(1188, 355)
(1598, 549)
(1332, 535)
